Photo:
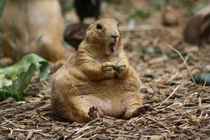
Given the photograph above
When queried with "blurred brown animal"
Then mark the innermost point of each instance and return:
(97, 76)
(32, 26)
(87, 8)
(197, 30)
(75, 33)
(170, 15)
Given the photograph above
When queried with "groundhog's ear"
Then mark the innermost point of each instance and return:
(115, 22)
(91, 25)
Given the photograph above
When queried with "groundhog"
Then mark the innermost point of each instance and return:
(32, 26)
(197, 30)
(97, 76)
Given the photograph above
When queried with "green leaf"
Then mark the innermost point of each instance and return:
(202, 78)
(15, 79)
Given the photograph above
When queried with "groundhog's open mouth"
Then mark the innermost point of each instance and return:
(112, 48)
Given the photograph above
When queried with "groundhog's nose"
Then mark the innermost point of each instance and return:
(115, 36)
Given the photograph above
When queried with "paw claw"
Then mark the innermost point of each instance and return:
(107, 67)
(120, 68)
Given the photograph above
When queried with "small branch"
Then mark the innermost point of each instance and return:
(10, 122)
(21, 130)
(184, 63)
(44, 118)
(30, 134)
(155, 121)
(199, 102)
(87, 125)
(126, 136)
(169, 95)
(88, 133)
(77, 131)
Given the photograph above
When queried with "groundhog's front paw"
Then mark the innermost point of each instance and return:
(120, 68)
(107, 67)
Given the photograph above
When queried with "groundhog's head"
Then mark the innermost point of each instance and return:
(105, 36)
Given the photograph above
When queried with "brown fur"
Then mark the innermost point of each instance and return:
(32, 26)
(169, 15)
(197, 30)
(94, 77)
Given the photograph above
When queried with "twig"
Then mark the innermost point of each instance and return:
(126, 136)
(30, 134)
(93, 136)
(87, 125)
(159, 123)
(134, 119)
(46, 135)
(85, 134)
(184, 63)
(172, 77)
(81, 129)
(11, 132)
(44, 118)
(21, 130)
(170, 95)
(7, 121)
(199, 102)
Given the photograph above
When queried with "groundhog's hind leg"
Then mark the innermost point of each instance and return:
(132, 111)
(82, 110)
(134, 103)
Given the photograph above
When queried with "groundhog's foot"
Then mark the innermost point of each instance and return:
(93, 113)
(107, 67)
(120, 68)
(136, 110)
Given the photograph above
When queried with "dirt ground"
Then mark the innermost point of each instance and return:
(179, 109)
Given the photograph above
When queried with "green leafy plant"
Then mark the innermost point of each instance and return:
(15, 79)
(145, 50)
(143, 14)
(202, 78)
(150, 50)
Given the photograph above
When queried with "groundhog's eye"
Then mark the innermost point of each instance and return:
(98, 26)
